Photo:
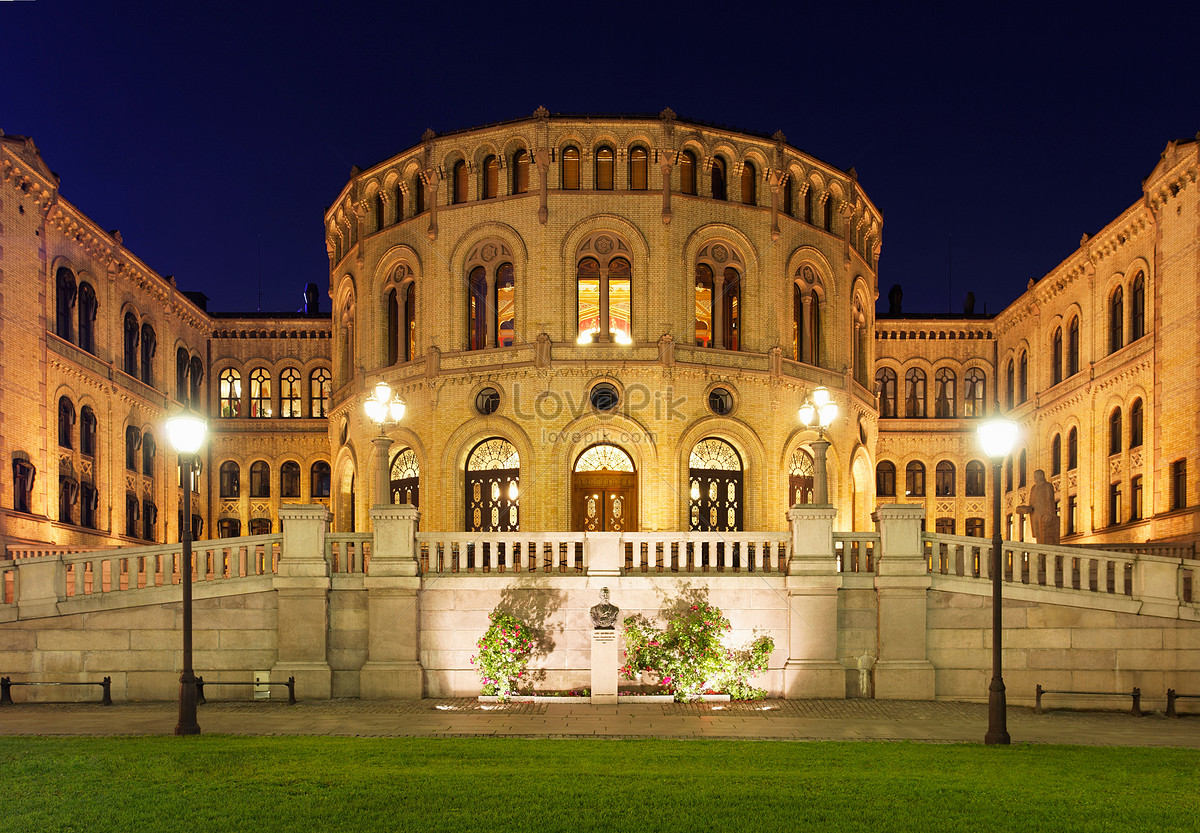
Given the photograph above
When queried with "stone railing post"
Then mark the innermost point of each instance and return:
(40, 584)
(902, 668)
(393, 669)
(605, 553)
(812, 668)
(302, 597)
(1156, 584)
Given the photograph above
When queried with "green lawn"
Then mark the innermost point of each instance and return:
(217, 783)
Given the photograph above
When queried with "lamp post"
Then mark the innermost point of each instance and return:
(385, 409)
(819, 410)
(186, 432)
(997, 437)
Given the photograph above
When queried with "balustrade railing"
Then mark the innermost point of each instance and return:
(705, 552)
(348, 553)
(856, 551)
(501, 552)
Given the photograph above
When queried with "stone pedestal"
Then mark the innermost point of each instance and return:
(812, 668)
(41, 582)
(902, 669)
(392, 670)
(604, 666)
(302, 593)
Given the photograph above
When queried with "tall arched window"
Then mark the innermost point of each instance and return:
(493, 481)
(604, 168)
(914, 393)
(806, 316)
(975, 479)
(786, 198)
(260, 393)
(885, 385)
(1056, 456)
(1073, 346)
(88, 430)
(149, 452)
(520, 172)
(1022, 459)
(458, 182)
(290, 401)
(289, 479)
(398, 199)
(704, 308)
(603, 291)
(231, 479)
(974, 393)
(639, 164)
(149, 347)
(1114, 432)
(1135, 424)
(505, 304)
(378, 211)
(1137, 307)
(477, 309)
(406, 478)
(230, 390)
(1072, 450)
(132, 332)
(829, 213)
(181, 374)
(1056, 356)
(491, 299)
(687, 172)
(749, 184)
(801, 478)
(418, 194)
(570, 168)
(320, 387)
(731, 306)
(1023, 377)
(943, 477)
(717, 179)
(319, 476)
(945, 400)
(1009, 384)
(133, 445)
(914, 479)
(260, 479)
(87, 317)
(808, 204)
(491, 177)
(1116, 320)
(195, 382)
(885, 479)
(66, 422)
(64, 302)
(715, 487)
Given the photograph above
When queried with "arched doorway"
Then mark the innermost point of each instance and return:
(715, 487)
(604, 491)
(801, 474)
(493, 487)
(406, 478)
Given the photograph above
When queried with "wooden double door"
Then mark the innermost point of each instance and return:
(604, 501)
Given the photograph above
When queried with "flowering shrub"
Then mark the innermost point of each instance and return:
(504, 652)
(688, 657)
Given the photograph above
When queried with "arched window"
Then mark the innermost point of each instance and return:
(398, 198)
(943, 479)
(319, 476)
(149, 451)
(1023, 377)
(68, 496)
(520, 172)
(885, 386)
(570, 168)
(87, 317)
(808, 204)
(914, 479)
(181, 374)
(477, 309)
(458, 182)
(491, 177)
(1114, 432)
(975, 479)
(914, 393)
(731, 307)
(885, 479)
(64, 302)
(132, 332)
(24, 474)
(1073, 347)
(1009, 377)
(945, 403)
(603, 290)
(133, 513)
(493, 481)
(289, 479)
(229, 386)
(260, 479)
(320, 387)
(260, 393)
(1056, 356)
(687, 173)
(1135, 424)
(231, 479)
(704, 309)
(639, 164)
(974, 393)
(786, 198)
(195, 380)
(149, 346)
(1021, 469)
(801, 478)
(1137, 307)
(133, 444)
(290, 402)
(1116, 320)
(829, 212)
(378, 210)
(604, 169)
(1056, 456)
(87, 431)
(715, 487)
(406, 478)
(749, 184)
(418, 194)
(806, 317)
(66, 422)
(717, 179)
(1072, 450)
(505, 304)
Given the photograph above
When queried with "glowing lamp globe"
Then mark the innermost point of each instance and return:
(998, 436)
(186, 432)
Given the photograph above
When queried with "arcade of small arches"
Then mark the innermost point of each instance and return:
(946, 400)
(292, 486)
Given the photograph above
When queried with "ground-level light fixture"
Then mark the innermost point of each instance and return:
(819, 411)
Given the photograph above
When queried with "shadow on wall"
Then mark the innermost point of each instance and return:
(534, 604)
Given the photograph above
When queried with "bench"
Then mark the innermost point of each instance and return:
(6, 685)
(291, 687)
(1136, 694)
(1172, 696)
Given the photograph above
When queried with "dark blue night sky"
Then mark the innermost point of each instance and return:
(213, 135)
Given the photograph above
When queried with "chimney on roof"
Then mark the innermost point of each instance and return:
(312, 300)
(969, 304)
(895, 300)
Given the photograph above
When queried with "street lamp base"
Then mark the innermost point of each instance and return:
(997, 733)
(187, 724)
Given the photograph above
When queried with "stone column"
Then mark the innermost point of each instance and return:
(302, 594)
(902, 668)
(812, 668)
(393, 670)
(718, 310)
(383, 476)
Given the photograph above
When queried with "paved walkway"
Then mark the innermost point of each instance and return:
(766, 720)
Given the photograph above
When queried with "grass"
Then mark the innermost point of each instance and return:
(218, 783)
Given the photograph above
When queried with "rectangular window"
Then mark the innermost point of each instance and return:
(1114, 504)
(1179, 484)
(1072, 513)
(974, 527)
(944, 526)
(1135, 498)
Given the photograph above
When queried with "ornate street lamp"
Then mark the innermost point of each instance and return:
(186, 433)
(385, 409)
(997, 437)
(819, 410)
